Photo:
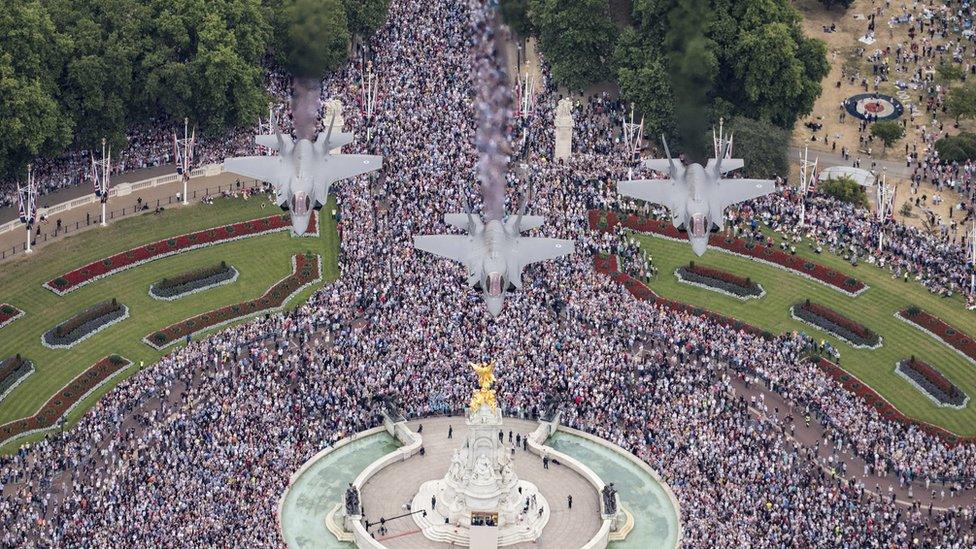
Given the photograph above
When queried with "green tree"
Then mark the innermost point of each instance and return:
(780, 76)
(763, 146)
(643, 81)
(845, 189)
(515, 13)
(888, 132)
(577, 38)
(31, 61)
(365, 16)
(949, 72)
(315, 36)
(961, 102)
(957, 148)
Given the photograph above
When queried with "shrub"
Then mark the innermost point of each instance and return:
(957, 148)
(845, 189)
(191, 276)
(96, 311)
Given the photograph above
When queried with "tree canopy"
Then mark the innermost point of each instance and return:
(74, 71)
(315, 36)
(577, 38)
(754, 58)
(888, 132)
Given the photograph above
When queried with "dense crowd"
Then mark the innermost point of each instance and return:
(197, 449)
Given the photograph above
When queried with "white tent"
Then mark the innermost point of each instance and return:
(862, 177)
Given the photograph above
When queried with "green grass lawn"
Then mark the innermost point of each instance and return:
(261, 261)
(874, 308)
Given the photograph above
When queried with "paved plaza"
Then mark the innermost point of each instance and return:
(386, 494)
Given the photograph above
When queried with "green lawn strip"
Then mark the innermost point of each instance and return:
(874, 308)
(261, 260)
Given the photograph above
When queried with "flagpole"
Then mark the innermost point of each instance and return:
(186, 148)
(30, 206)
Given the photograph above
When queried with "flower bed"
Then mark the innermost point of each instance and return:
(720, 281)
(8, 314)
(639, 290)
(603, 220)
(191, 282)
(835, 323)
(163, 248)
(961, 342)
(931, 383)
(66, 398)
(306, 270)
(13, 371)
(882, 406)
(85, 324)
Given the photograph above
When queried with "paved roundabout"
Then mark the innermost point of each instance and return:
(310, 510)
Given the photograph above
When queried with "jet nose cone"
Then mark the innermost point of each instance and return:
(494, 305)
(699, 246)
(299, 224)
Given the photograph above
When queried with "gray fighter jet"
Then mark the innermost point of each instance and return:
(494, 252)
(303, 172)
(697, 196)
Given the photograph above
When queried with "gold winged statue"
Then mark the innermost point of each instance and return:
(485, 396)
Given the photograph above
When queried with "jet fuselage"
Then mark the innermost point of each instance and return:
(299, 195)
(494, 268)
(698, 217)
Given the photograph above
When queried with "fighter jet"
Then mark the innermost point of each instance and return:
(697, 196)
(303, 172)
(494, 251)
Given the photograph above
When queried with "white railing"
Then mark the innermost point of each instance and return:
(121, 189)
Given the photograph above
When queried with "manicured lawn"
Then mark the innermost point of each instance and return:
(874, 308)
(261, 260)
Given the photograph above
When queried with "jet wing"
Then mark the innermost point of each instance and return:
(455, 247)
(534, 250)
(269, 141)
(733, 191)
(272, 169)
(344, 166)
(656, 191)
(529, 250)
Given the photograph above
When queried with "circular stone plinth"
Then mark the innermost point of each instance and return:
(528, 527)
(387, 493)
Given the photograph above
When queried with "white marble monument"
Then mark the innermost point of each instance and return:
(564, 128)
(481, 481)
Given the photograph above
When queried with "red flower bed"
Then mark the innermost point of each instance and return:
(952, 336)
(306, 271)
(162, 248)
(640, 291)
(838, 319)
(65, 398)
(717, 274)
(8, 313)
(604, 220)
(932, 375)
(886, 410)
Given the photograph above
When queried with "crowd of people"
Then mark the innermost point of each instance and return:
(197, 449)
